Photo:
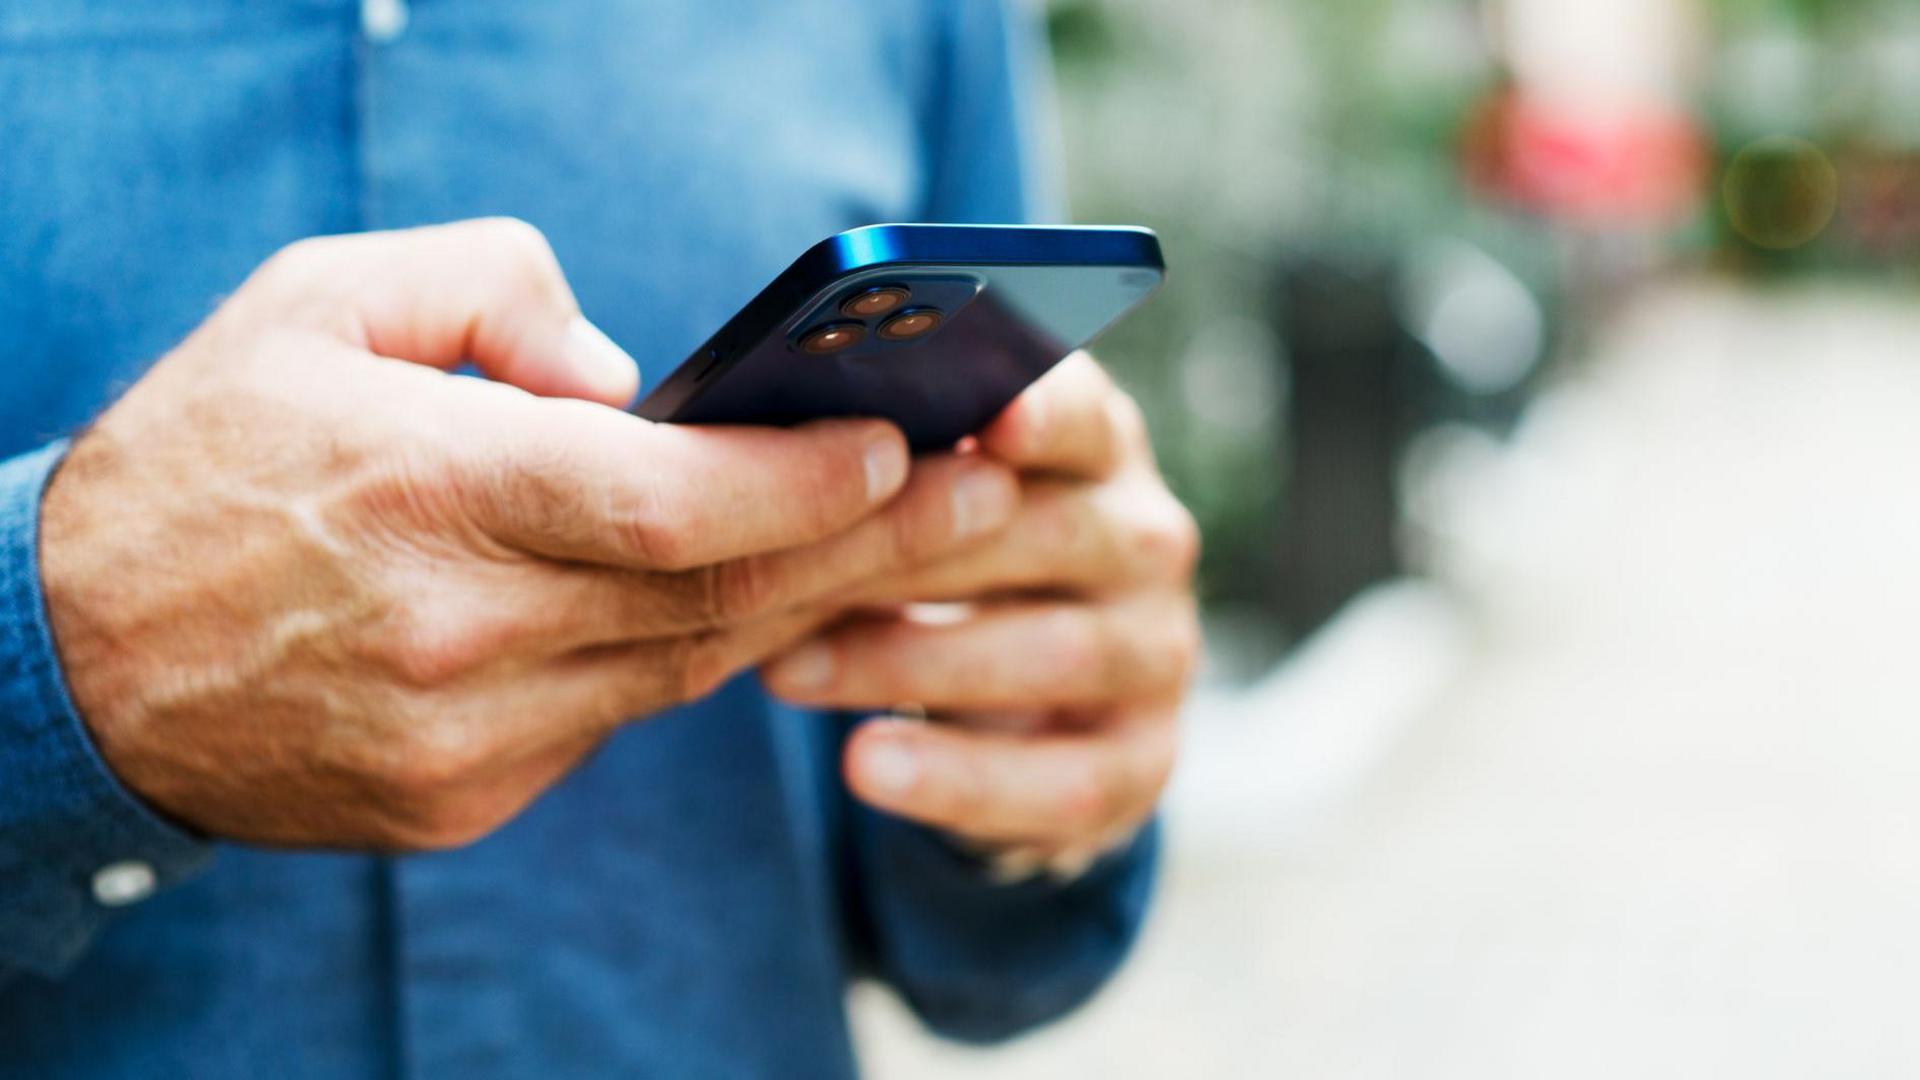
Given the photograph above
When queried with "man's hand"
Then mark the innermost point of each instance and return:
(1058, 692)
(307, 593)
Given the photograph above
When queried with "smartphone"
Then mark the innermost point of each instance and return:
(934, 327)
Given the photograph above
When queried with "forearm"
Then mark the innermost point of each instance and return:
(74, 844)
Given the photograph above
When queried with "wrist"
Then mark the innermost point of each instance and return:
(84, 565)
(80, 840)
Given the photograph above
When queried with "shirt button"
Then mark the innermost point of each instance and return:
(383, 20)
(122, 883)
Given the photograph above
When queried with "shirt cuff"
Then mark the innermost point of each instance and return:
(74, 843)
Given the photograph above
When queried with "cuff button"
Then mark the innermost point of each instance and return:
(122, 883)
(383, 21)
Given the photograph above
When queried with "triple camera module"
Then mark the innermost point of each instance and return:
(888, 303)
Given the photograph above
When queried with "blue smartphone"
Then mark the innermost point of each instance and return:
(934, 327)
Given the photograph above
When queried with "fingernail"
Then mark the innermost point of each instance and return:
(892, 767)
(886, 464)
(604, 365)
(982, 500)
(807, 668)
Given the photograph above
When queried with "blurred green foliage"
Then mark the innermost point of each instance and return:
(1253, 132)
(1842, 77)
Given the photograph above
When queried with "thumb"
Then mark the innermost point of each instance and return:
(487, 291)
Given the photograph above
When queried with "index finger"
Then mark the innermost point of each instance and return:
(579, 482)
(488, 291)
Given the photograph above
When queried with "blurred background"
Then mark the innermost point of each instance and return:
(1546, 377)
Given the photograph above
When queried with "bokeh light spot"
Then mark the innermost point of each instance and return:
(1780, 192)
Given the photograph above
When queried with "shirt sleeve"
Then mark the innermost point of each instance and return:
(73, 842)
(992, 134)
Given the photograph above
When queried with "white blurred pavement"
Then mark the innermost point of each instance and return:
(1635, 791)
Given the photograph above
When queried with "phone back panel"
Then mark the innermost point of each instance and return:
(1013, 301)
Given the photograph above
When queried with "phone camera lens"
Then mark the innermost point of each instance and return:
(875, 302)
(832, 338)
(909, 325)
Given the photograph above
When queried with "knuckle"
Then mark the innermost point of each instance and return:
(294, 259)
(296, 279)
(432, 759)
(1168, 539)
(420, 785)
(740, 590)
(1185, 540)
(698, 668)
(906, 540)
(428, 785)
(655, 537)
(527, 252)
(658, 544)
(425, 650)
(515, 236)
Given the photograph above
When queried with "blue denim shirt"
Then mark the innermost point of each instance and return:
(694, 899)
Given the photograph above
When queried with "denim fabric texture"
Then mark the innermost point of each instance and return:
(694, 900)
